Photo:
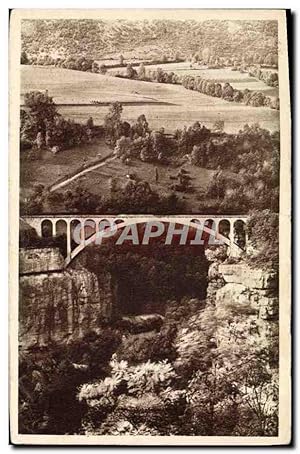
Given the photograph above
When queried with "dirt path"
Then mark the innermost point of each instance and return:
(87, 169)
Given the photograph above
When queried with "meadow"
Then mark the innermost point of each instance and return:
(46, 168)
(181, 107)
(97, 181)
(238, 80)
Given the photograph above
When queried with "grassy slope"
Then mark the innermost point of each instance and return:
(75, 87)
(186, 107)
(47, 168)
(97, 181)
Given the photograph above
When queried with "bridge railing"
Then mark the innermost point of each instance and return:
(67, 223)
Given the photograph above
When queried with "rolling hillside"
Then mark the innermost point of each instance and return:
(147, 39)
(170, 106)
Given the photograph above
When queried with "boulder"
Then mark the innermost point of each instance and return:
(141, 323)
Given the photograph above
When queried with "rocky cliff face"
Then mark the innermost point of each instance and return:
(62, 305)
(255, 286)
(242, 285)
(38, 260)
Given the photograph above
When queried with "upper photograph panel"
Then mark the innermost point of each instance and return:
(149, 115)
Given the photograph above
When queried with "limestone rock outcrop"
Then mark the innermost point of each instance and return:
(38, 260)
(249, 277)
(243, 286)
(246, 285)
(61, 306)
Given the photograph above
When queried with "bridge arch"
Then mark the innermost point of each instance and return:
(240, 233)
(190, 223)
(97, 222)
(60, 227)
(90, 227)
(47, 228)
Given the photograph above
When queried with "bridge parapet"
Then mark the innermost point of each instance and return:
(66, 223)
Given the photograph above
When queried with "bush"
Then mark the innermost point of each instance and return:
(263, 233)
(49, 382)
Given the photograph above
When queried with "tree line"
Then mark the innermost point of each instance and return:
(268, 77)
(87, 64)
(202, 85)
(208, 86)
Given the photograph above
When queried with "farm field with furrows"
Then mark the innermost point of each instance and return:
(168, 106)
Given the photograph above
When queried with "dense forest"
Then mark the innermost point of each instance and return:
(150, 39)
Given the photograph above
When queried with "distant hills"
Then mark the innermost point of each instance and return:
(146, 40)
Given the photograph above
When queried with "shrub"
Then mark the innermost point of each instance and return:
(263, 233)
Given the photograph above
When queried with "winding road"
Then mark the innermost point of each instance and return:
(79, 173)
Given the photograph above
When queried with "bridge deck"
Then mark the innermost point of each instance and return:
(133, 216)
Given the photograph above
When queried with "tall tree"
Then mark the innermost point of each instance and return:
(112, 122)
(142, 71)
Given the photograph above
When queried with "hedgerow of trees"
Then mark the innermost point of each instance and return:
(211, 88)
(205, 86)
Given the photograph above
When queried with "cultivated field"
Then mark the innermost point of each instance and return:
(238, 80)
(181, 107)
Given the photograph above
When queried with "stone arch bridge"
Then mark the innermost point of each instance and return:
(230, 229)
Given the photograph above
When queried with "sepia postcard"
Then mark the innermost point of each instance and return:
(150, 227)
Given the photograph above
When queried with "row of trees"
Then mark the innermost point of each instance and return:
(268, 77)
(76, 63)
(88, 64)
(207, 86)
(210, 58)
(228, 93)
